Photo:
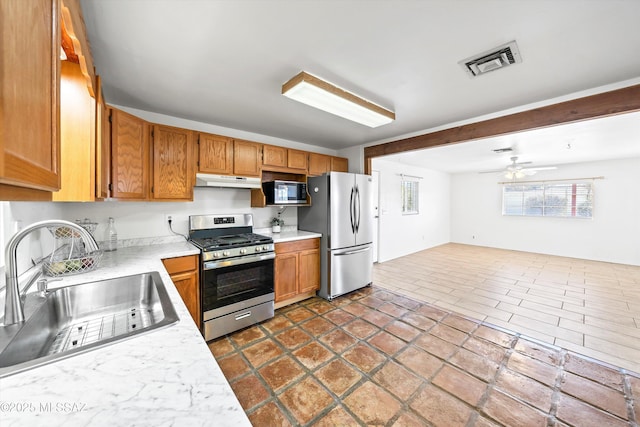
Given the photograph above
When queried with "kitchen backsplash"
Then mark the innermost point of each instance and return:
(136, 221)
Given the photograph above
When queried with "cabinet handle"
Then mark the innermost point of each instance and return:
(243, 316)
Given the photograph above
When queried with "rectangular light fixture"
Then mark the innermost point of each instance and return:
(325, 96)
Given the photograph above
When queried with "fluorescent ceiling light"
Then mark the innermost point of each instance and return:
(325, 96)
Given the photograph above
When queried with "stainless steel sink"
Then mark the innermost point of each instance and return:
(79, 318)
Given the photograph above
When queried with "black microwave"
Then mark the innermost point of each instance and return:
(285, 192)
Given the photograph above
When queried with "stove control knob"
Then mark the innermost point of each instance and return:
(216, 254)
(243, 251)
(258, 249)
(225, 253)
(265, 248)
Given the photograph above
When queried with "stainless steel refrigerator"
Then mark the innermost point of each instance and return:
(341, 209)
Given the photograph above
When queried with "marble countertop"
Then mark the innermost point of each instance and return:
(288, 235)
(165, 377)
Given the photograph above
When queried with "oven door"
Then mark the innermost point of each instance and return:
(228, 282)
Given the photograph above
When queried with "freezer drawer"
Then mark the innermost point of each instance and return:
(349, 269)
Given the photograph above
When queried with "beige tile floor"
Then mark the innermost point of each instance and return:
(590, 307)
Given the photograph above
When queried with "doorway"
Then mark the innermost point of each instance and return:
(375, 175)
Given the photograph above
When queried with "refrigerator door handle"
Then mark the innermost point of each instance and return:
(354, 252)
(351, 216)
(359, 208)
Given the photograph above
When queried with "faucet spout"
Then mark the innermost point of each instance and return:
(13, 309)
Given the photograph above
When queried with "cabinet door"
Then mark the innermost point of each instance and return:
(286, 276)
(215, 154)
(309, 273)
(188, 288)
(274, 156)
(184, 274)
(319, 164)
(297, 159)
(247, 158)
(172, 163)
(339, 164)
(130, 156)
(103, 144)
(29, 94)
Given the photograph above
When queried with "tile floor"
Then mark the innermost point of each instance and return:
(592, 308)
(375, 357)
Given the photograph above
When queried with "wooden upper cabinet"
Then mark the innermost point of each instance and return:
(284, 159)
(274, 156)
(297, 159)
(77, 137)
(29, 97)
(129, 156)
(247, 158)
(319, 164)
(339, 164)
(215, 154)
(173, 171)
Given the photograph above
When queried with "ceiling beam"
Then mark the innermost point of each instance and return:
(625, 100)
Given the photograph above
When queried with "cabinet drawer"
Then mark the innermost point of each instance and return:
(180, 264)
(297, 245)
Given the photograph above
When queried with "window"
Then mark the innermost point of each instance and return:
(409, 197)
(554, 199)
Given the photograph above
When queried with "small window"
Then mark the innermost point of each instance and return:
(409, 197)
(553, 199)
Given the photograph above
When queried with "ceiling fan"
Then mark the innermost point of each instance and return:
(516, 170)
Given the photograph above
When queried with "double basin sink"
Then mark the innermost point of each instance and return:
(75, 319)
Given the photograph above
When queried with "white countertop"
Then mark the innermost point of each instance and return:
(288, 235)
(165, 377)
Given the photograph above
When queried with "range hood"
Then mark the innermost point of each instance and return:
(226, 181)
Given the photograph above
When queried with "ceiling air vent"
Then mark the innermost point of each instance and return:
(494, 59)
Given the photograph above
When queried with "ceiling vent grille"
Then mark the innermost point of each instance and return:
(491, 60)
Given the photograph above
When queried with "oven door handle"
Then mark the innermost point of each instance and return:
(210, 265)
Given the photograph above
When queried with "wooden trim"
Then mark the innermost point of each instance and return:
(319, 83)
(9, 193)
(297, 298)
(71, 13)
(625, 100)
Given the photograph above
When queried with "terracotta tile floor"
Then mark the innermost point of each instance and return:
(375, 357)
(590, 307)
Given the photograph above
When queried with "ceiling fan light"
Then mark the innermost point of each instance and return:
(325, 96)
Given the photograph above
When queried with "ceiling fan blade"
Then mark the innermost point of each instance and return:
(542, 168)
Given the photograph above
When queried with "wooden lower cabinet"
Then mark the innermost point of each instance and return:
(297, 269)
(184, 274)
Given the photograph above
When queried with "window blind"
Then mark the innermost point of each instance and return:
(552, 199)
(409, 190)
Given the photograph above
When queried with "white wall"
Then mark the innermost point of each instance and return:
(613, 235)
(404, 234)
(17, 215)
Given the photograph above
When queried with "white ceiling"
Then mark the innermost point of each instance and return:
(615, 137)
(224, 61)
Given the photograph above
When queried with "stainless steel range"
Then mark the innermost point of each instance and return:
(236, 272)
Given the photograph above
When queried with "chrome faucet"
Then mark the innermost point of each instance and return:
(13, 308)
